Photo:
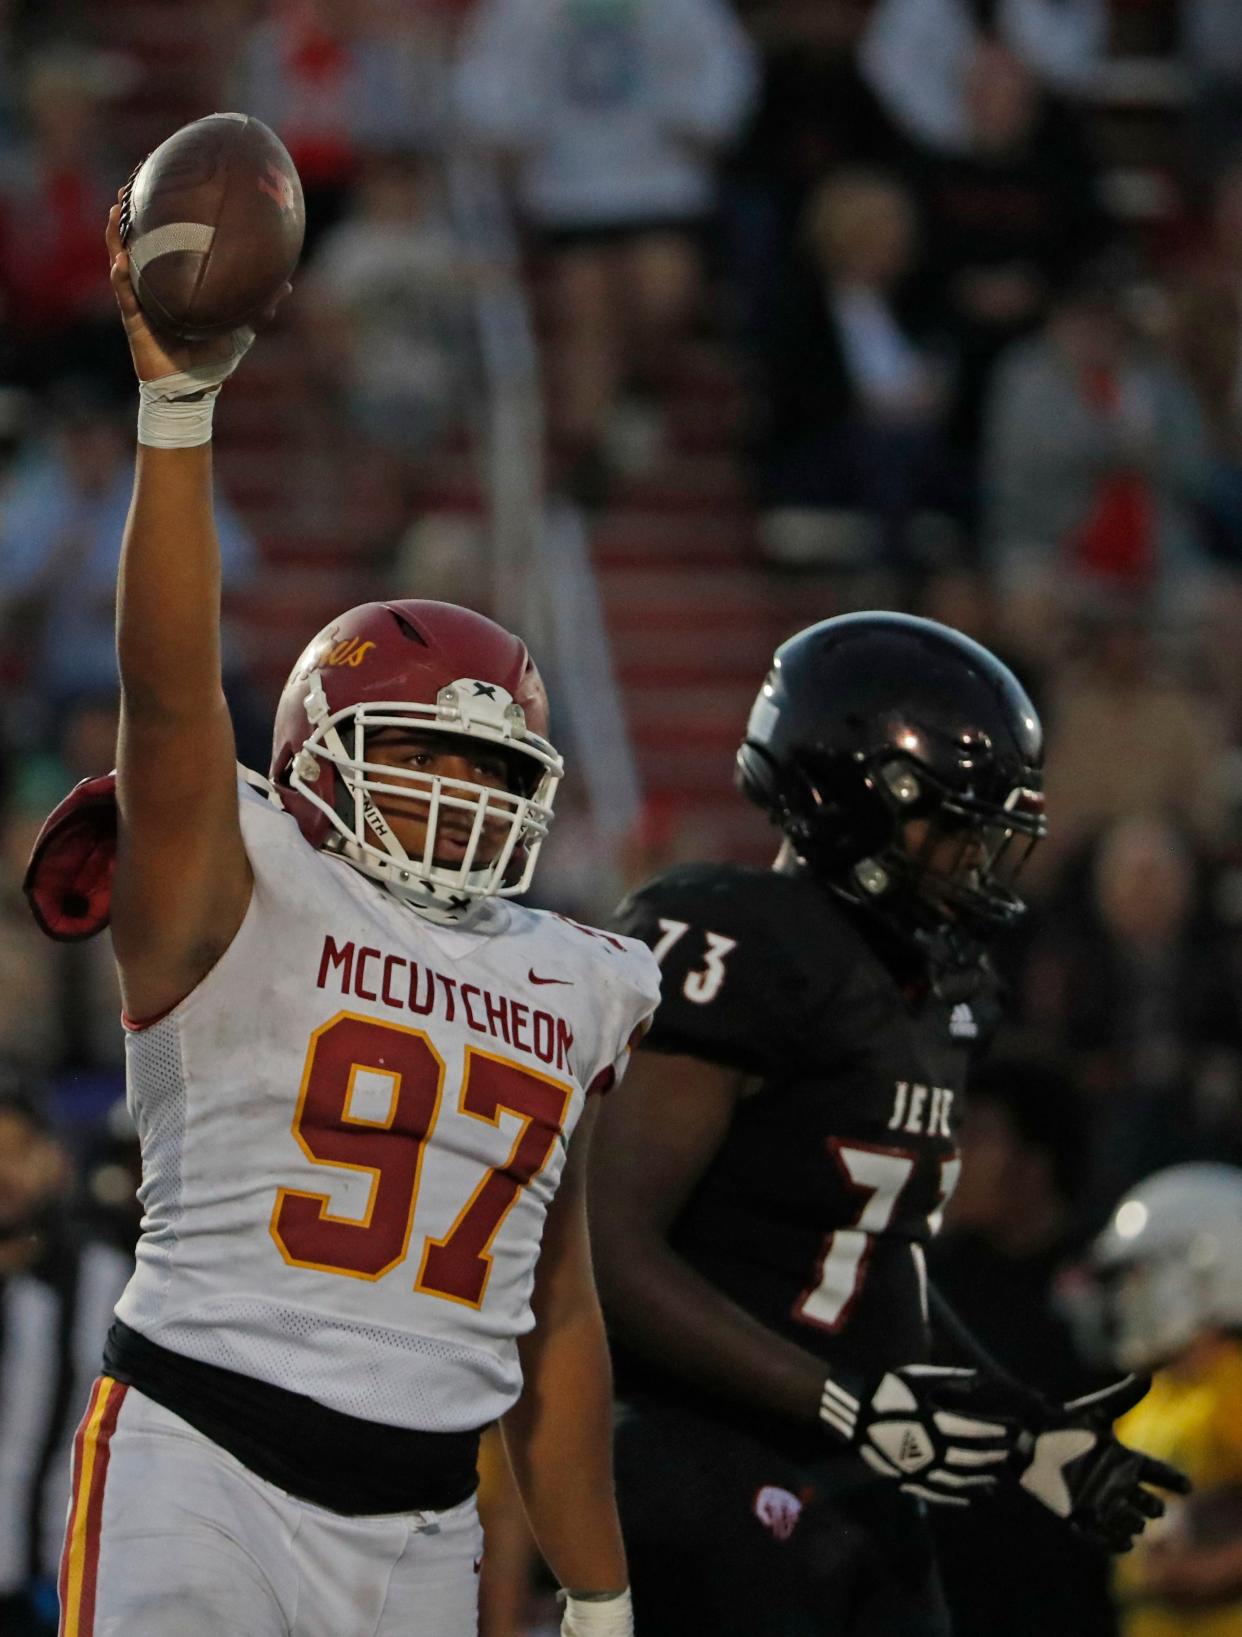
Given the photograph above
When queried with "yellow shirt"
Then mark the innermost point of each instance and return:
(1196, 1424)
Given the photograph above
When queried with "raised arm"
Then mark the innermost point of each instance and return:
(183, 880)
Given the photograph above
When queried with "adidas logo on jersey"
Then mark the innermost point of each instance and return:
(962, 1025)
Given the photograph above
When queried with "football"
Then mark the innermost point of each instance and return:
(213, 222)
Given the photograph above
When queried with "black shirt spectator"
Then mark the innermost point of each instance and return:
(856, 399)
(1136, 976)
(1007, 221)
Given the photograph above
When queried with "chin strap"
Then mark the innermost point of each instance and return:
(428, 898)
(953, 962)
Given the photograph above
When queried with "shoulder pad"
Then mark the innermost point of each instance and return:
(733, 991)
(620, 957)
(313, 823)
(68, 881)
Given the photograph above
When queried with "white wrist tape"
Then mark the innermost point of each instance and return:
(598, 1617)
(169, 424)
(175, 411)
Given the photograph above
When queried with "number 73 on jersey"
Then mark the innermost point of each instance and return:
(701, 985)
(391, 1149)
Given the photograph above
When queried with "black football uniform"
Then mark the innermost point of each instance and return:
(813, 1216)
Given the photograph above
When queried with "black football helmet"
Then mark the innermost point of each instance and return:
(868, 722)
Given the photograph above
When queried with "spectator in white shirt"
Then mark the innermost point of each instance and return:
(386, 300)
(612, 113)
(916, 55)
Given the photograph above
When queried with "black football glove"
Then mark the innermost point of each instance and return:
(919, 1427)
(1075, 1467)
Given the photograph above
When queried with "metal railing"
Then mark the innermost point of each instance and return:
(541, 576)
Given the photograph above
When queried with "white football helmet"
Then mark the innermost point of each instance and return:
(1169, 1263)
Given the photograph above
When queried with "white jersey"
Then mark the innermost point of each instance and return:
(352, 1130)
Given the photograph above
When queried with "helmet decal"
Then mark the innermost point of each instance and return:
(429, 671)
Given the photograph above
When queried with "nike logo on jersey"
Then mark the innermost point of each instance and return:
(534, 978)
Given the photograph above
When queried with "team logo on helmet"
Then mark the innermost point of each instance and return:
(433, 672)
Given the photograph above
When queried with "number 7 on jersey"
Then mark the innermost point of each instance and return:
(703, 984)
(391, 1149)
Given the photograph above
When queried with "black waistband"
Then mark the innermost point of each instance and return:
(335, 1460)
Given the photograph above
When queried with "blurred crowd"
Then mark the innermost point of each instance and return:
(972, 270)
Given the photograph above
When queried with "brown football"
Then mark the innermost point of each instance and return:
(213, 221)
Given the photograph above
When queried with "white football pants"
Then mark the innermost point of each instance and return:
(170, 1536)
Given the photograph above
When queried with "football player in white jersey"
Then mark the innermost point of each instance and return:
(355, 1066)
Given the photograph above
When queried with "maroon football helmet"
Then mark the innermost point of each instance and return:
(433, 667)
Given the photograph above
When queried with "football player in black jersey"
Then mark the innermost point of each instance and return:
(765, 1184)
